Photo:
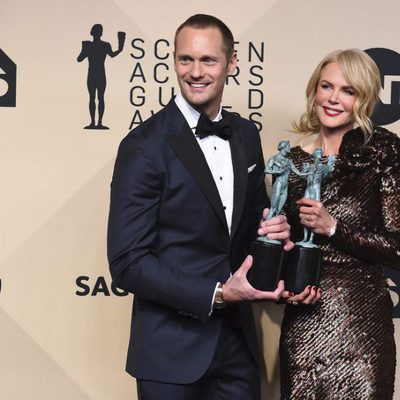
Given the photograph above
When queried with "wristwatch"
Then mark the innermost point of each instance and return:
(219, 301)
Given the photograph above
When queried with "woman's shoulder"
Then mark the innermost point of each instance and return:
(382, 147)
(384, 136)
(387, 144)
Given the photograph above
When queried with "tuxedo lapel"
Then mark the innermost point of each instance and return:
(188, 151)
(240, 177)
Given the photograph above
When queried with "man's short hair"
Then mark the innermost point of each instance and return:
(204, 21)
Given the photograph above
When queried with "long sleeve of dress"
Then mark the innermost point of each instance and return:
(381, 245)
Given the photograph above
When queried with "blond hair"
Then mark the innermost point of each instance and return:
(362, 74)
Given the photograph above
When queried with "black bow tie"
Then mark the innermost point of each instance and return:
(222, 128)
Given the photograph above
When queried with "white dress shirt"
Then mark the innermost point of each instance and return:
(218, 155)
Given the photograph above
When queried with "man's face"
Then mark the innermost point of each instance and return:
(202, 67)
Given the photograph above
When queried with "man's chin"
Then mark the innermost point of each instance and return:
(196, 101)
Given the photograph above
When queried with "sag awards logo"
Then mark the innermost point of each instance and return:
(96, 52)
(8, 81)
(155, 83)
(99, 286)
(388, 107)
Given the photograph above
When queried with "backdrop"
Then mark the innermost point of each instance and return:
(64, 328)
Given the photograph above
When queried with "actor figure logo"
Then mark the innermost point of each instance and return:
(388, 107)
(96, 52)
(8, 81)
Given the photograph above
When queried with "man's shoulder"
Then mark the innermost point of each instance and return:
(152, 132)
(148, 126)
(143, 135)
(154, 126)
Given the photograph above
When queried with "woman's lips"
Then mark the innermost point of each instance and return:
(332, 112)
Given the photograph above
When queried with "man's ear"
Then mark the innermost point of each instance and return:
(232, 63)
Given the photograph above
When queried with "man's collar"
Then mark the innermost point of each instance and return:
(191, 115)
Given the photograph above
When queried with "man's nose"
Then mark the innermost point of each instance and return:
(197, 70)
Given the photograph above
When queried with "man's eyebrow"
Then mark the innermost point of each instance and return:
(208, 57)
(181, 56)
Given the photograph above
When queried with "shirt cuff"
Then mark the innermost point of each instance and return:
(213, 299)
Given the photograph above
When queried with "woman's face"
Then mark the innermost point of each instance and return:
(334, 99)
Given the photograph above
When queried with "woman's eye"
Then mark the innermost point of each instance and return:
(349, 91)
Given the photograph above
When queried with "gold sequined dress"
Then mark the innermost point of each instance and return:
(343, 347)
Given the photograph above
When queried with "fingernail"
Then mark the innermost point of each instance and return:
(291, 294)
(314, 288)
(308, 287)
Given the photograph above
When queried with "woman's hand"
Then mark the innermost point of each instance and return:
(314, 216)
(310, 295)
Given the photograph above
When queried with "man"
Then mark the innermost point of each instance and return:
(184, 208)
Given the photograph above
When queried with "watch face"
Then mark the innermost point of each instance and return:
(218, 300)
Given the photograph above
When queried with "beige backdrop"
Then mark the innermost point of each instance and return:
(55, 344)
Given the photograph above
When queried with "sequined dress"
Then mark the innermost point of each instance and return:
(343, 347)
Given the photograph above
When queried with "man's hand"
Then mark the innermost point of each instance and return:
(238, 288)
(276, 228)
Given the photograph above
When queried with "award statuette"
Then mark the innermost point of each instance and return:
(268, 254)
(302, 264)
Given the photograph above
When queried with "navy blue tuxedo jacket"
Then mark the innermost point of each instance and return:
(169, 244)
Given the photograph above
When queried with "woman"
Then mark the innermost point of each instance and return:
(340, 344)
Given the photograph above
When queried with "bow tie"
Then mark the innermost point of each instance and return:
(222, 128)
